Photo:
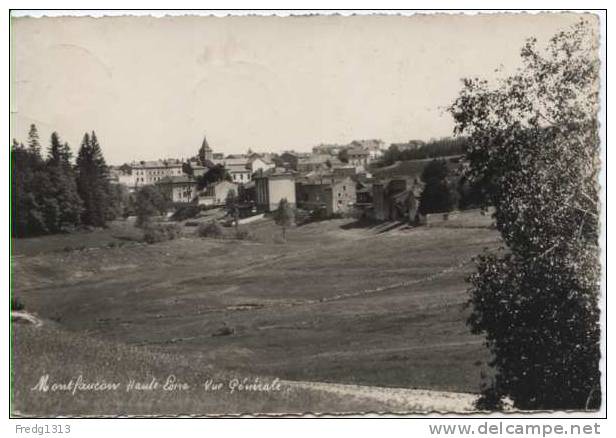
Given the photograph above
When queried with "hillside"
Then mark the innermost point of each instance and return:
(336, 303)
(412, 168)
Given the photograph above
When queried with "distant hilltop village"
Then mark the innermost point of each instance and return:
(333, 178)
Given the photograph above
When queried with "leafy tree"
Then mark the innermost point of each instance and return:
(343, 156)
(533, 136)
(437, 195)
(126, 168)
(149, 202)
(471, 195)
(231, 205)
(93, 182)
(187, 168)
(284, 216)
(215, 174)
(121, 202)
(435, 148)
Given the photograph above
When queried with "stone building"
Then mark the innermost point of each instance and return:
(395, 199)
(273, 185)
(216, 194)
(181, 189)
(151, 172)
(334, 195)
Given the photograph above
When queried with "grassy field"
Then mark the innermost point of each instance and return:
(339, 303)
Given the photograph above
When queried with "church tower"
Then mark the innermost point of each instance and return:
(205, 152)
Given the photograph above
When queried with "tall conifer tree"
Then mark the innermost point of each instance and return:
(92, 182)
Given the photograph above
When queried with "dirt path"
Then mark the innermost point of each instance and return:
(396, 400)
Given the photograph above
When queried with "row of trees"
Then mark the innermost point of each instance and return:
(50, 194)
(442, 147)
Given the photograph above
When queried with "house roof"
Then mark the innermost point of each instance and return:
(275, 172)
(371, 144)
(357, 151)
(156, 164)
(180, 179)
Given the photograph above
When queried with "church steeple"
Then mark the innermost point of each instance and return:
(205, 152)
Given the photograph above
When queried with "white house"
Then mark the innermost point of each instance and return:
(216, 194)
(178, 188)
(150, 172)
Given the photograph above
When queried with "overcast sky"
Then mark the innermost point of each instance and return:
(153, 87)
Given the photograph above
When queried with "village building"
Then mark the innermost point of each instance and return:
(364, 194)
(238, 169)
(180, 189)
(333, 195)
(317, 162)
(289, 160)
(216, 194)
(395, 199)
(358, 157)
(205, 152)
(150, 172)
(328, 149)
(343, 170)
(258, 162)
(242, 167)
(374, 147)
(272, 186)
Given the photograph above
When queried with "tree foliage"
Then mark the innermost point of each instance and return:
(62, 189)
(212, 176)
(436, 148)
(149, 202)
(93, 182)
(232, 207)
(534, 143)
(43, 192)
(437, 195)
(284, 216)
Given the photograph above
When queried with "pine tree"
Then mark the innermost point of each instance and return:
(66, 155)
(66, 207)
(33, 141)
(54, 153)
(27, 179)
(92, 182)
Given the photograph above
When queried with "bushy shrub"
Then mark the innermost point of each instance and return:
(149, 202)
(160, 233)
(210, 229)
(186, 212)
